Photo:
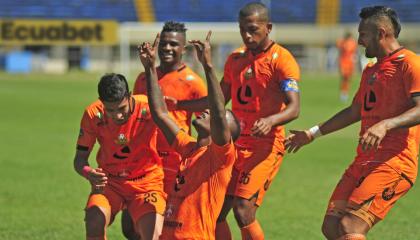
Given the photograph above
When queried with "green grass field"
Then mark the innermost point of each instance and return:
(42, 197)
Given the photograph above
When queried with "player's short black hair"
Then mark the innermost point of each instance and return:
(255, 7)
(172, 26)
(113, 87)
(377, 12)
(235, 127)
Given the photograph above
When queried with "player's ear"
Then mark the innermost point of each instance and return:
(269, 27)
(381, 32)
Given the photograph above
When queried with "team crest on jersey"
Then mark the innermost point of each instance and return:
(189, 77)
(275, 55)
(122, 139)
(99, 115)
(248, 74)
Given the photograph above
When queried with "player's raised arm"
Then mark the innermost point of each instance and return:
(342, 119)
(220, 132)
(158, 109)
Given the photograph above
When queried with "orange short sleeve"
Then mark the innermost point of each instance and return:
(227, 74)
(412, 75)
(88, 132)
(286, 65)
(183, 143)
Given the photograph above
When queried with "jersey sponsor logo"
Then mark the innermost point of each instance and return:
(172, 224)
(289, 85)
(369, 101)
(123, 153)
(244, 94)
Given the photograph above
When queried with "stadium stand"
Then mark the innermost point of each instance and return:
(286, 11)
(121, 10)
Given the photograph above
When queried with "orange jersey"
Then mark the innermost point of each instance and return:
(385, 92)
(257, 84)
(347, 49)
(182, 84)
(126, 151)
(197, 198)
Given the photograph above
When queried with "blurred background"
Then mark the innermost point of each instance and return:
(53, 52)
(101, 35)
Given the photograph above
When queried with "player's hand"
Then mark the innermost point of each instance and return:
(297, 139)
(171, 103)
(373, 136)
(98, 179)
(261, 127)
(203, 50)
(147, 53)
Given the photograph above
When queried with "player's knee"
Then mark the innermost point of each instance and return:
(95, 221)
(244, 212)
(352, 224)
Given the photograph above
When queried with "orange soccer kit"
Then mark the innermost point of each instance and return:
(377, 179)
(182, 84)
(128, 156)
(258, 85)
(347, 49)
(197, 198)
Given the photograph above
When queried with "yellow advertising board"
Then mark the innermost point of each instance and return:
(58, 32)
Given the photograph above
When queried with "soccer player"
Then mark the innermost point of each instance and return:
(388, 105)
(347, 48)
(261, 79)
(196, 198)
(178, 81)
(129, 171)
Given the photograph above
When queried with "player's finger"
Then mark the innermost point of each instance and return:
(208, 36)
(296, 149)
(157, 40)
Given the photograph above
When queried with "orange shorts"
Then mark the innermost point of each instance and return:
(346, 68)
(170, 161)
(141, 195)
(370, 189)
(255, 174)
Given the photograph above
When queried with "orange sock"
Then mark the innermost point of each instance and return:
(352, 236)
(252, 232)
(223, 231)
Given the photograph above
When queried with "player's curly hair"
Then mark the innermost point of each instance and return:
(172, 26)
(377, 12)
(113, 87)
